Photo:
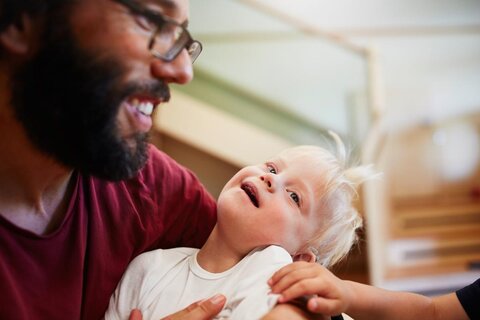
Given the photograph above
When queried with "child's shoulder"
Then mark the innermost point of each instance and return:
(270, 255)
(258, 267)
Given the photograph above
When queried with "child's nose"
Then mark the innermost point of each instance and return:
(268, 179)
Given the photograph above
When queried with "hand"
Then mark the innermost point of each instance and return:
(201, 310)
(329, 294)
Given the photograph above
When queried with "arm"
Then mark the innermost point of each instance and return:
(291, 312)
(360, 301)
(374, 303)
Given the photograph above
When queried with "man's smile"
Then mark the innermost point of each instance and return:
(139, 110)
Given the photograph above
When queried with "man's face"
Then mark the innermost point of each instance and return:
(274, 203)
(86, 97)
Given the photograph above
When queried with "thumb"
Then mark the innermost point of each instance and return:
(202, 310)
(135, 315)
(210, 307)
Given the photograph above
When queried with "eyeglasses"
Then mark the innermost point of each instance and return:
(169, 37)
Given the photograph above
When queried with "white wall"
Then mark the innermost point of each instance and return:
(215, 132)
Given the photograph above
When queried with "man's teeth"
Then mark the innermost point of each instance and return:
(144, 107)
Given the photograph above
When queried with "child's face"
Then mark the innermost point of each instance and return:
(274, 203)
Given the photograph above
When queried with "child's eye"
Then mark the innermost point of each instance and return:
(295, 198)
(271, 169)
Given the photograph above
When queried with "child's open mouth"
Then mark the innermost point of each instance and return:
(251, 193)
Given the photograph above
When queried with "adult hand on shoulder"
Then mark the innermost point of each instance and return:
(328, 294)
(201, 310)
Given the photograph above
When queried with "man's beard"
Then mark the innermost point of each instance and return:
(68, 101)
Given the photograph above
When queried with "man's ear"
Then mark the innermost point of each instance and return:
(306, 255)
(19, 37)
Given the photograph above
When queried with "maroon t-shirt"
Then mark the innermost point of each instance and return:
(71, 272)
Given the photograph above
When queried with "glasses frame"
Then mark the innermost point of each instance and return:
(185, 41)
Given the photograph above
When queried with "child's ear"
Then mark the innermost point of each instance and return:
(306, 255)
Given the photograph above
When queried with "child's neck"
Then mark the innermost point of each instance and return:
(218, 255)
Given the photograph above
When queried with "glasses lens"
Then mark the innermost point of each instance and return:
(194, 50)
(167, 47)
(167, 41)
(167, 36)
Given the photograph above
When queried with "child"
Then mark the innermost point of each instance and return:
(296, 206)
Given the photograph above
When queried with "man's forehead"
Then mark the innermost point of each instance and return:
(167, 4)
(176, 9)
(174, 6)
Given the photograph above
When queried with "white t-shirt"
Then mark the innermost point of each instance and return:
(162, 282)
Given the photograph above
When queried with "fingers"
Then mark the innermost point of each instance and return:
(304, 287)
(277, 276)
(201, 310)
(135, 315)
(298, 278)
(309, 279)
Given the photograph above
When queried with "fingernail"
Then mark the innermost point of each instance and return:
(217, 299)
(281, 298)
(313, 304)
(270, 281)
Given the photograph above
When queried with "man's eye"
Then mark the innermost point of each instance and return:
(145, 23)
(295, 197)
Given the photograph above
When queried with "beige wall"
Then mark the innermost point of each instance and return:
(212, 171)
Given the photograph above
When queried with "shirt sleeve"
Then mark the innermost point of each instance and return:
(469, 298)
(128, 293)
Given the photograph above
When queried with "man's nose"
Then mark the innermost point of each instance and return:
(179, 70)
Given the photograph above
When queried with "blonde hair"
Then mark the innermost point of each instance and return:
(338, 231)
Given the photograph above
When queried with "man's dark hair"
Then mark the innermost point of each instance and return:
(11, 10)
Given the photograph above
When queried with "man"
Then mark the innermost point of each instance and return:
(81, 191)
